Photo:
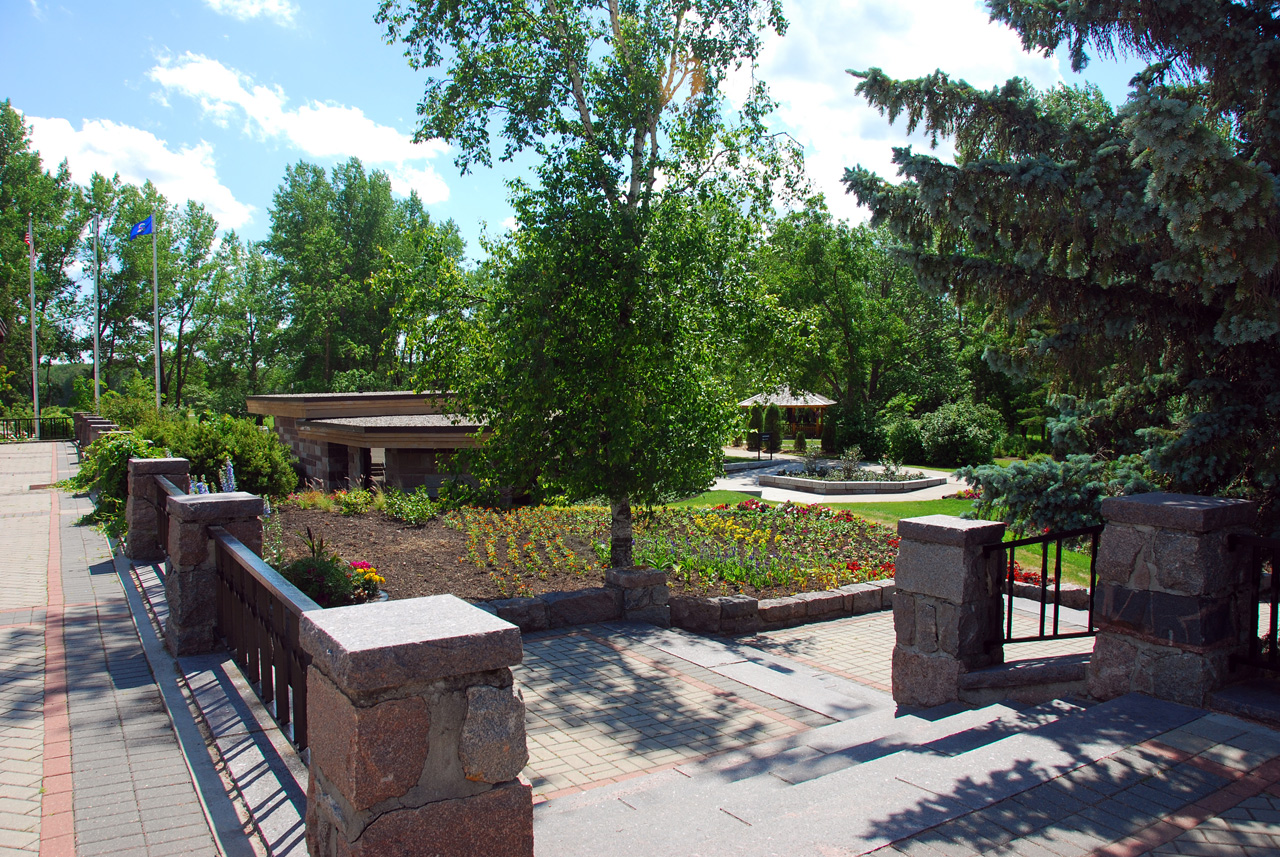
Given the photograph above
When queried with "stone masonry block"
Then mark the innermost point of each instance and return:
(188, 544)
(1194, 564)
(904, 619)
(1179, 511)
(774, 611)
(655, 614)
(583, 607)
(739, 614)
(367, 648)
(942, 571)
(1118, 550)
(159, 467)
(866, 597)
(527, 614)
(950, 531)
(498, 822)
(492, 746)
(700, 615)
(634, 578)
(248, 532)
(369, 753)
(926, 680)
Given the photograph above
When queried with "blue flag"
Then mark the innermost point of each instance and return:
(143, 228)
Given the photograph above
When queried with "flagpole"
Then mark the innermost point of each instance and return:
(35, 363)
(155, 302)
(97, 306)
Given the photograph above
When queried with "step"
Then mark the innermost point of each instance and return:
(858, 808)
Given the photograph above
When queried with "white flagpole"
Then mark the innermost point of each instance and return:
(35, 362)
(97, 306)
(155, 302)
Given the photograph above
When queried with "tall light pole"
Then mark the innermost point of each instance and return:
(35, 362)
(155, 301)
(97, 322)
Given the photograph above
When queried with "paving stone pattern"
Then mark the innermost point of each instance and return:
(120, 785)
(601, 707)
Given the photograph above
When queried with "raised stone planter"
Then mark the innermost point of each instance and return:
(823, 486)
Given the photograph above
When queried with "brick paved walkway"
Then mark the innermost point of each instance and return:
(89, 760)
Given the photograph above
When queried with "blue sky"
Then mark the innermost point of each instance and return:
(213, 99)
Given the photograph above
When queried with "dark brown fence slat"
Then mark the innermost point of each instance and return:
(260, 624)
(1263, 648)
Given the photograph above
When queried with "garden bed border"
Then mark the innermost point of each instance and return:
(646, 599)
(824, 486)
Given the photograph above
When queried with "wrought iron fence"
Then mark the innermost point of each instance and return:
(1263, 590)
(1049, 583)
(24, 428)
(258, 617)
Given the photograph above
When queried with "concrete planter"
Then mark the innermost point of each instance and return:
(824, 486)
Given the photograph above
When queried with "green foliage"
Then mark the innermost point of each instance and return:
(958, 433)
(904, 441)
(327, 579)
(773, 427)
(132, 407)
(262, 463)
(1045, 495)
(755, 420)
(414, 508)
(104, 472)
(355, 502)
(1134, 252)
(801, 443)
(753, 441)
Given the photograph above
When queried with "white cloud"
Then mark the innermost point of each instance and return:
(136, 155)
(806, 73)
(281, 11)
(321, 130)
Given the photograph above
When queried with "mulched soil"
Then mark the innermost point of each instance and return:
(416, 561)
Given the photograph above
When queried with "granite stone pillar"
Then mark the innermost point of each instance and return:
(416, 732)
(191, 580)
(142, 508)
(644, 594)
(946, 606)
(1171, 599)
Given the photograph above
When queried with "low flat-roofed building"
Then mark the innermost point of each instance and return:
(340, 437)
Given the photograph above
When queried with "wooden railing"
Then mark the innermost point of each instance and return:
(258, 617)
(1263, 649)
(167, 489)
(1049, 627)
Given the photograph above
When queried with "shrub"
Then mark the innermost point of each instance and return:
(904, 441)
(773, 427)
(262, 463)
(959, 433)
(755, 421)
(1032, 496)
(328, 580)
(801, 443)
(416, 508)
(753, 440)
(830, 433)
(105, 472)
(355, 502)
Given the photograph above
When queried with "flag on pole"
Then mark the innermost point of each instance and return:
(143, 228)
(26, 237)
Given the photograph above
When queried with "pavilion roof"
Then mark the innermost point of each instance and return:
(783, 397)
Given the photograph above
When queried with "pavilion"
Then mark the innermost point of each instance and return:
(800, 411)
(341, 438)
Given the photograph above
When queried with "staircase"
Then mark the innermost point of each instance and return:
(999, 777)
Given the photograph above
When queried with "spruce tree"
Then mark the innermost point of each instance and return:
(1136, 249)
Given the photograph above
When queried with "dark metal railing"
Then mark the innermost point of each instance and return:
(1263, 650)
(1050, 627)
(24, 428)
(167, 490)
(258, 617)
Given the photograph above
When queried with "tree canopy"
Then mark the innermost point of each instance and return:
(1137, 249)
(587, 352)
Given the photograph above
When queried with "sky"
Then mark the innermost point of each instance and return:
(212, 99)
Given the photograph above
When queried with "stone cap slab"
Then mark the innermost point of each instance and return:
(1188, 512)
(950, 530)
(366, 648)
(214, 507)
(158, 466)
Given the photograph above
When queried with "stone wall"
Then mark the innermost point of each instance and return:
(322, 463)
(1172, 599)
(742, 614)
